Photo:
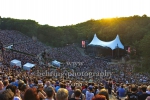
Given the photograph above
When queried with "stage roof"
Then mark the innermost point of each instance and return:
(116, 43)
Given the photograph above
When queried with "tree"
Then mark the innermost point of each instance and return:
(130, 30)
(145, 52)
(144, 15)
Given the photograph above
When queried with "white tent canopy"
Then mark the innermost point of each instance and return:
(116, 43)
(15, 62)
(28, 66)
(56, 63)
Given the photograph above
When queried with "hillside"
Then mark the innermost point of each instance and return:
(130, 30)
(134, 31)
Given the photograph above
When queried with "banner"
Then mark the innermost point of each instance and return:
(83, 44)
(129, 50)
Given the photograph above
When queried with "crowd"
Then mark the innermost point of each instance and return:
(120, 72)
(18, 84)
(20, 43)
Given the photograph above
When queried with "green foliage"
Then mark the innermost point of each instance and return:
(28, 27)
(130, 29)
(144, 44)
(144, 47)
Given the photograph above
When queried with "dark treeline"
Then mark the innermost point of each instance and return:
(134, 31)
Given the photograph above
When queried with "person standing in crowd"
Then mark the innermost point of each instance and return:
(144, 95)
(85, 89)
(109, 86)
(50, 93)
(99, 97)
(122, 95)
(68, 86)
(14, 82)
(47, 84)
(41, 92)
(148, 90)
(1, 87)
(77, 95)
(30, 82)
(62, 94)
(57, 86)
(16, 92)
(106, 84)
(10, 78)
(105, 93)
(89, 94)
(35, 83)
(80, 88)
(139, 90)
(133, 94)
(23, 89)
(71, 91)
(96, 90)
(6, 83)
(99, 88)
(53, 84)
(7, 95)
(31, 94)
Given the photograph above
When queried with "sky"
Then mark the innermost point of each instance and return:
(70, 12)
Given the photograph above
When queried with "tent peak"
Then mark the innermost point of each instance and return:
(111, 44)
(95, 35)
